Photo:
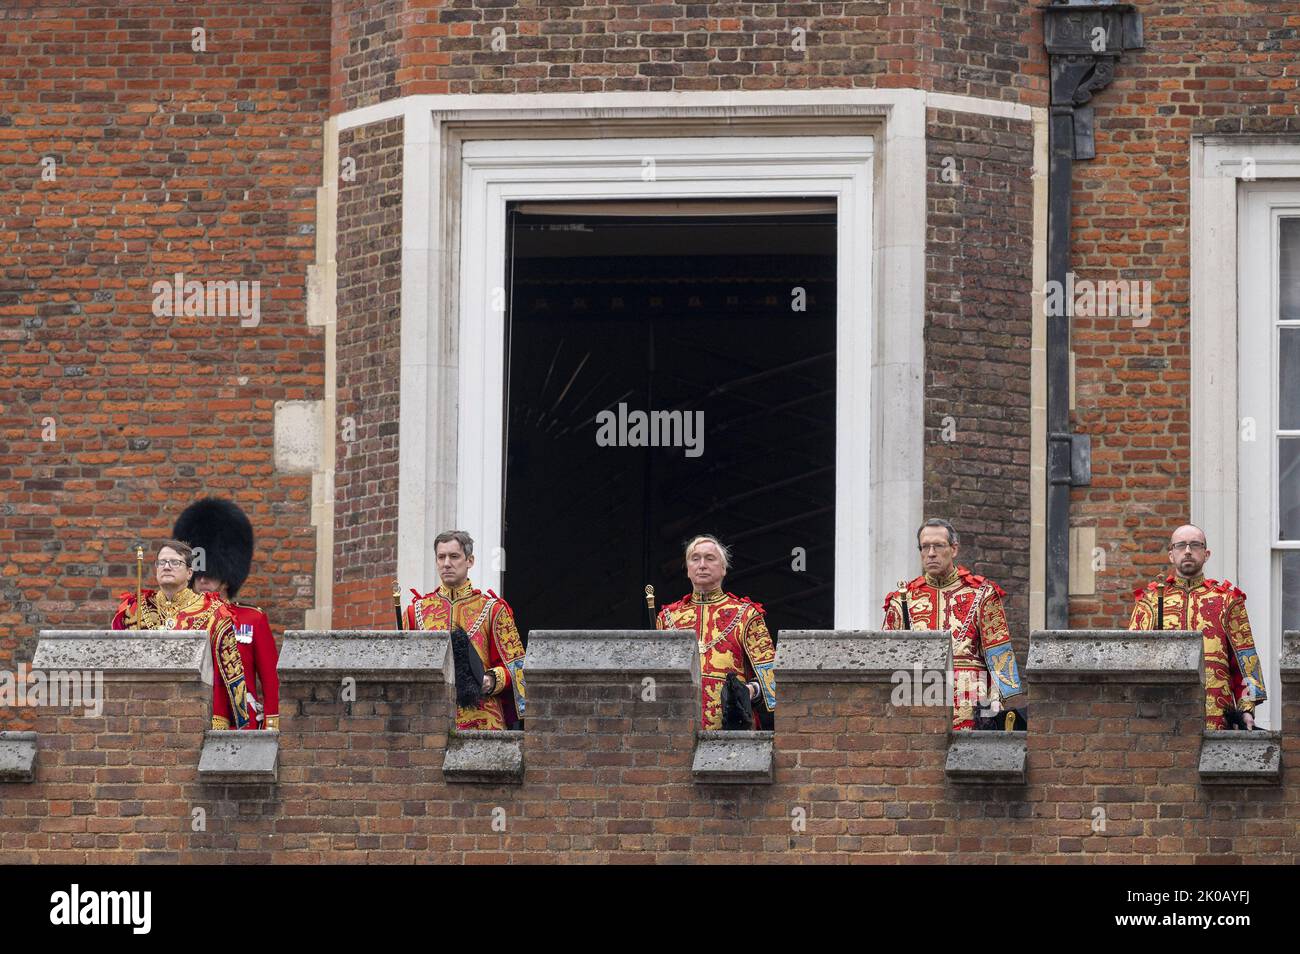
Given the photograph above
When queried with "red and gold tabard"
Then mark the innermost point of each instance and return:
(490, 626)
(983, 662)
(258, 654)
(732, 636)
(198, 611)
(1233, 677)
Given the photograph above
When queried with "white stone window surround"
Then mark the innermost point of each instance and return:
(1239, 184)
(880, 364)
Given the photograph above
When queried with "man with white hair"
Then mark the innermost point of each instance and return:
(731, 632)
(1187, 599)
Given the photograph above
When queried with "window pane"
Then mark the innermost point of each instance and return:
(1288, 372)
(1289, 269)
(1290, 590)
(1288, 484)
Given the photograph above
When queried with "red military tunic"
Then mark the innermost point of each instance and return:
(732, 635)
(1233, 677)
(490, 626)
(198, 611)
(984, 662)
(259, 657)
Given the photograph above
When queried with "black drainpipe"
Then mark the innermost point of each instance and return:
(1084, 42)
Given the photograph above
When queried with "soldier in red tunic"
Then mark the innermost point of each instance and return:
(175, 606)
(731, 632)
(489, 625)
(224, 533)
(950, 597)
(1188, 600)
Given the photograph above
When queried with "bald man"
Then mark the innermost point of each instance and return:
(1188, 600)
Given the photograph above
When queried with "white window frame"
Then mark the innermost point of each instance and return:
(497, 172)
(1239, 185)
(1263, 206)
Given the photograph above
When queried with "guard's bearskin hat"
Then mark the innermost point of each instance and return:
(226, 536)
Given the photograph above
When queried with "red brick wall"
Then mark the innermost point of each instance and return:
(167, 160)
(608, 780)
(576, 47)
(365, 47)
(1227, 67)
(369, 375)
(979, 254)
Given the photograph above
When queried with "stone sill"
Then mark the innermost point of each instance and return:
(247, 757)
(733, 758)
(1241, 758)
(17, 756)
(484, 756)
(987, 757)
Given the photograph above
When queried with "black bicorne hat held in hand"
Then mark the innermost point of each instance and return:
(468, 668)
(1235, 719)
(737, 707)
(226, 536)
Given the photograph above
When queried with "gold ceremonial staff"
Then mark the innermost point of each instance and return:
(902, 598)
(650, 604)
(139, 585)
(397, 603)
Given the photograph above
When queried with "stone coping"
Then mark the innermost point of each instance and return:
(370, 655)
(1115, 655)
(604, 653)
(840, 655)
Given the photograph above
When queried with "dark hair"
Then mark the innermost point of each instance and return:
(182, 548)
(937, 522)
(460, 536)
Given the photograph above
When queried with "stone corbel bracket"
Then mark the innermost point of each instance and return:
(987, 758)
(234, 757)
(17, 756)
(486, 757)
(733, 758)
(1241, 758)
